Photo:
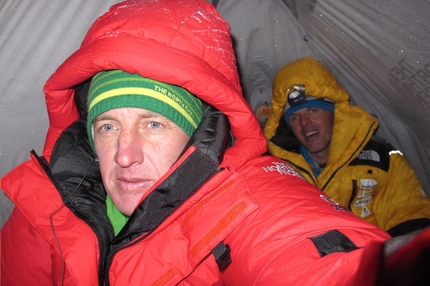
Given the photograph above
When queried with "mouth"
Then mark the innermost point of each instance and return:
(309, 134)
(134, 185)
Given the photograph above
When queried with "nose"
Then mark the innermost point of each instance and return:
(304, 120)
(129, 149)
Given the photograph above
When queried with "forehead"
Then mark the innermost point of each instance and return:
(307, 109)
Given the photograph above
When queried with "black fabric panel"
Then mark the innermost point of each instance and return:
(409, 226)
(75, 171)
(72, 157)
(332, 241)
(212, 136)
(81, 92)
(380, 147)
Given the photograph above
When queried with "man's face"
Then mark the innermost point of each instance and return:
(313, 128)
(135, 147)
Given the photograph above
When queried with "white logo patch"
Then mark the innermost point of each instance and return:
(369, 155)
(363, 202)
(364, 195)
(283, 169)
(367, 183)
(333, 203)
(365, 212)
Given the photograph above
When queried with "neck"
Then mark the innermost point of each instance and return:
(320, 157)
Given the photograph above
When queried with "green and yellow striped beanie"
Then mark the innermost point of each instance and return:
(118, 89)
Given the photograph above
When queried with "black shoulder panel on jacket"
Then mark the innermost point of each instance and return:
(332, 241)
(376, 153)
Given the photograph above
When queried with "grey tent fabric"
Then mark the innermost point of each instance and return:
(379, 51)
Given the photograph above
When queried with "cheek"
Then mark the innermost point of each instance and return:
(105, 156)
(105, 146)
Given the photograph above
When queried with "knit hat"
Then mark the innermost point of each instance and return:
(118, 89)
(298, 99)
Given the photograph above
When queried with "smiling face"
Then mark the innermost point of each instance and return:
(135, 148)
(313, 128)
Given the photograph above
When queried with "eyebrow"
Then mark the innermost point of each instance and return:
(144, 114)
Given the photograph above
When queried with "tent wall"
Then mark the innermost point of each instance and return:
(378, 50)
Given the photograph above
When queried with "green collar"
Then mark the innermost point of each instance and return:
(117, 218)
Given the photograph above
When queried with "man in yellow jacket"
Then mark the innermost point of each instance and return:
(333, 145)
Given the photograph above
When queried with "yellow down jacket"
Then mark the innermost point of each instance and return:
(363, 173)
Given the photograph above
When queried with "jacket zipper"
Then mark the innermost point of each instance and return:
(350, 158)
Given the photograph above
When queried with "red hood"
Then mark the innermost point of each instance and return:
(160, 40)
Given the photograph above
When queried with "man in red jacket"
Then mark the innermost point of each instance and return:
(169, 197)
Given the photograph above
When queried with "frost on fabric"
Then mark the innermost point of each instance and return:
(219, 44)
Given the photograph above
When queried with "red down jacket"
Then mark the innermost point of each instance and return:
(223, 214)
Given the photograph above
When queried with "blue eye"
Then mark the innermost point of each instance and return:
(107, 127)
(154, 124)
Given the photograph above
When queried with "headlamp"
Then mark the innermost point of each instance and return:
(296, 95)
